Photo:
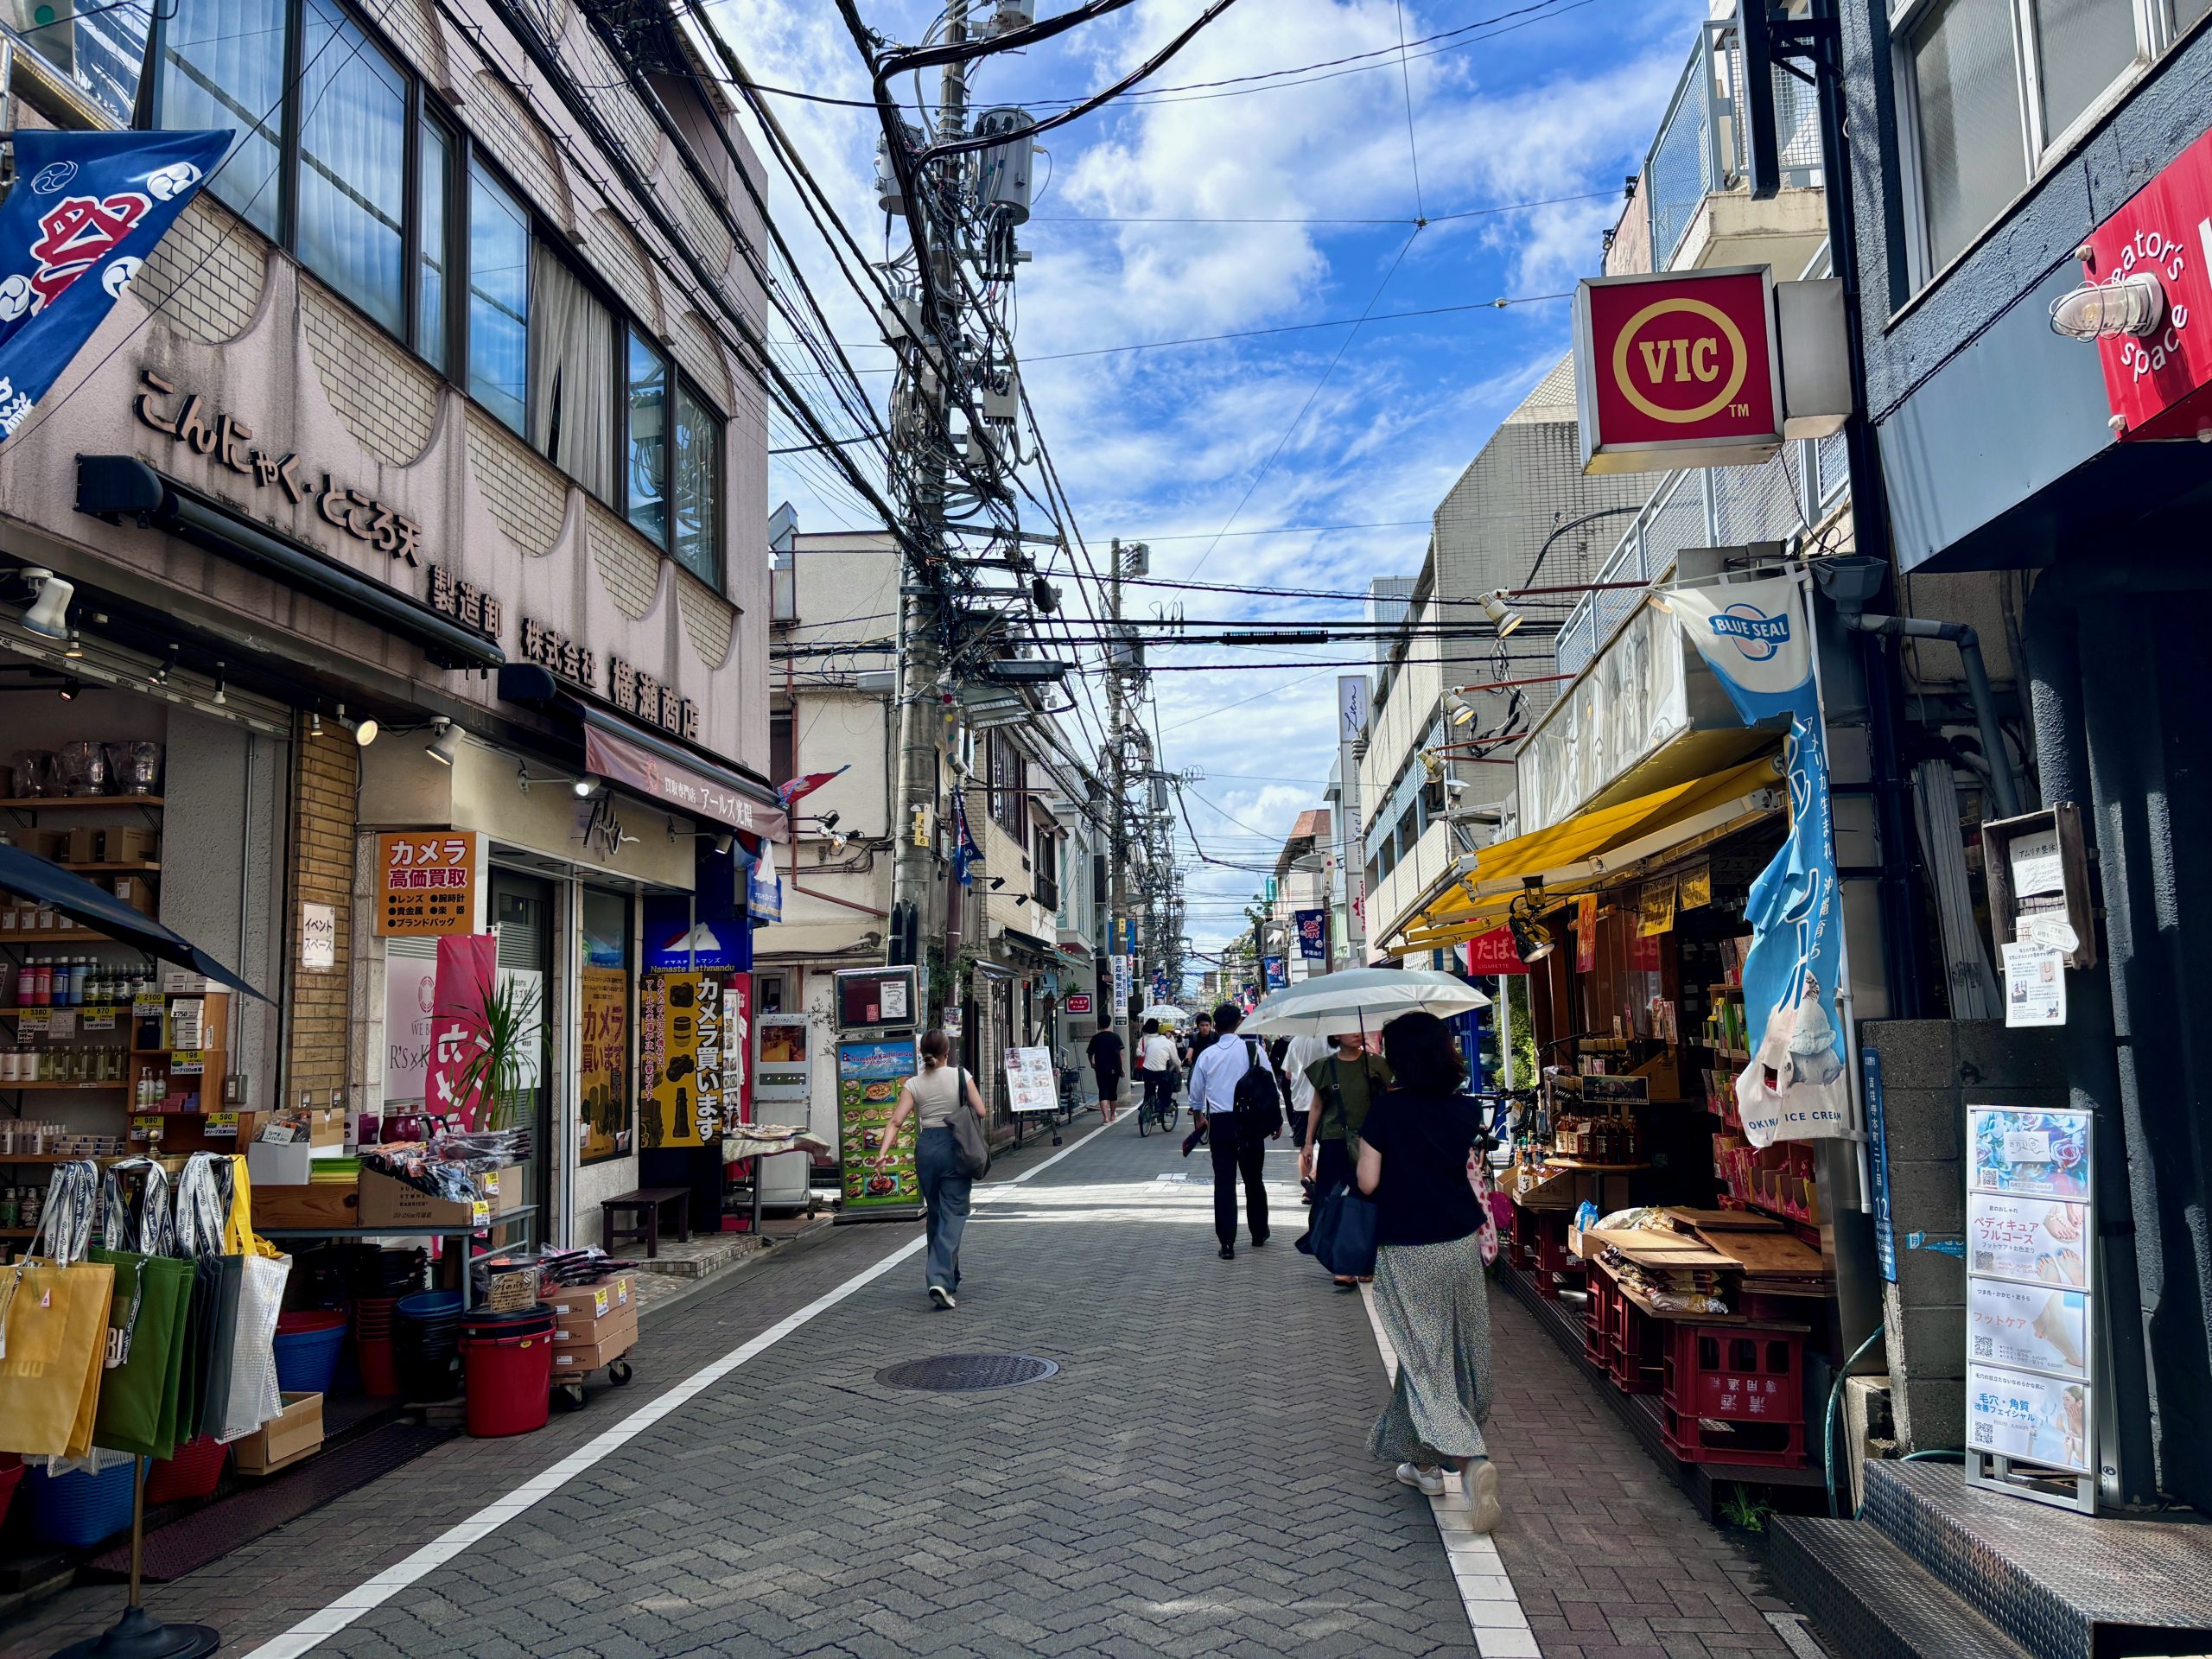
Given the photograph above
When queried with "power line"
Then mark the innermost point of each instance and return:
(1433, 219)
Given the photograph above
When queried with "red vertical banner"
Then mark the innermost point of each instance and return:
(1586, 933)
(468, 966)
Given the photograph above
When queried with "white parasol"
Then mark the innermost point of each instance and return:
(1165, 1013)
(1360, 999)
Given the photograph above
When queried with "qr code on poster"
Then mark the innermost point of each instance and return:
(1984, 1347)
(1984, 1434)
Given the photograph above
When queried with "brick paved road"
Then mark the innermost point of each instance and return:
(1194, 1482)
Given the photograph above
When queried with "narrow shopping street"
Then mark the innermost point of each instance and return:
(1193, 1480)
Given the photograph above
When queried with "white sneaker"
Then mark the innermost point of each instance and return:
(1431, 1481)
(941, 1296)
(1478, 1482)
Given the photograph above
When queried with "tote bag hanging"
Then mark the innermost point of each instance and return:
(202, 1213)
(1341, 1238)
(55, 1328)
(141, 1368)
(254, 1396)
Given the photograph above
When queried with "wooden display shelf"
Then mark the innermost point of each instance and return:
(75, 803)
(1592, 1169)
(60, 1157)
(18, 1232)
(117, 1009)
(61, 936)
(111, 866)
(39, 1088)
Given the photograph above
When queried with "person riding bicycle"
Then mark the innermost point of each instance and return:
(1160, 1076)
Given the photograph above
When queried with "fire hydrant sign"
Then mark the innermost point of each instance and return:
(1679, 369)
(426, 882)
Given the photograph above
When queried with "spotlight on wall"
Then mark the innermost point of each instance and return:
(1532, 942)
(75, 648)
(1503, 617)
(364, 731)
(70, 687)
(586, 788)
(49, 616)
(723, 845)
(1459, 709)
(445, 742)
(222, 697)
(997, 881)
(314, 724)
(161, 675)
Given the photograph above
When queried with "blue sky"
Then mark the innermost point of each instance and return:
(1554, 99)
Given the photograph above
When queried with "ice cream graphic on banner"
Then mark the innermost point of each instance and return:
(1754, 635)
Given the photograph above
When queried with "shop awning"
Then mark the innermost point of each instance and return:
(45, 882)
(114, 487)
(1606, 840)
(671, 775)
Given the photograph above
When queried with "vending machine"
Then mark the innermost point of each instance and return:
(879, 1010)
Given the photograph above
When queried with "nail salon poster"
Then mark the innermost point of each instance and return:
(2031, 1278)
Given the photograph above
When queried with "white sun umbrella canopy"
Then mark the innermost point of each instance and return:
(1163, 1011)
(1362, 999)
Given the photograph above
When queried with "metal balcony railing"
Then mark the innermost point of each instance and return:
(1715, 506)
(1699, 148)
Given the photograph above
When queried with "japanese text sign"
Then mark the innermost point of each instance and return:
(426, 882)
(1679, 369)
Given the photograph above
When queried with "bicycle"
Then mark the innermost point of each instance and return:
(1159, 1109)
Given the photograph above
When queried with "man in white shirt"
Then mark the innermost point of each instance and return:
(1156, 1054)
(1213, 1096)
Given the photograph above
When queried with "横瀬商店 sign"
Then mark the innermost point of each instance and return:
(1678, 368)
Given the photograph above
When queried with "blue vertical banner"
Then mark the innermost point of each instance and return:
(85, 212)
(1313, 934)
(1756, 639)
(1277, 971)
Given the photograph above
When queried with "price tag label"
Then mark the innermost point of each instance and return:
(145, 1003)
(33, 1022)
(96, 1019)
(188, 1062)
(222, 1124)
(146, 1127)
(479, 1211)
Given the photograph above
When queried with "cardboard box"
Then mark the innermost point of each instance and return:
(327, 1127)
(293, 1434)
(119, 846)
(135, 890)
(278, 1164)
(589, 1302)
(322, 1205)
(573, 1359)
(582, 1333)
(388, 1203)
(79, 846)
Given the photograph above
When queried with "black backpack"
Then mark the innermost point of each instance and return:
(1258, 1099)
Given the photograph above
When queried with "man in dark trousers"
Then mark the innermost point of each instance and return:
(1237, 1150)
(1200, 1039)
(1105, 1051)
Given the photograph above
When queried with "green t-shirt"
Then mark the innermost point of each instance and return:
(1344, 1107)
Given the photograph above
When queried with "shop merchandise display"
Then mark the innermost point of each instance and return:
(449, 1165)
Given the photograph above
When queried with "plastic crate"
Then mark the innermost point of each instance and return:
(1599, 1320)
(1736, 1373)
(1712, 1439)
(1639, 1357)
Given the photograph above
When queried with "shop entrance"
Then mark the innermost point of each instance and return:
(522, 914)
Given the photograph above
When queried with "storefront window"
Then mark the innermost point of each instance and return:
(499, 298)
(608, 1108)
(352, 192)
(646, 473)
(223, 65)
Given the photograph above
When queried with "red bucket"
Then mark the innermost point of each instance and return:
(510, 1381)
(11, 1476)
(193, 1472)
(380, 1370)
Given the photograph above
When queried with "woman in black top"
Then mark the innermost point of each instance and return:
(1429, 1289)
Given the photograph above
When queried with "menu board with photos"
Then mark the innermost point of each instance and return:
(2030, 1303)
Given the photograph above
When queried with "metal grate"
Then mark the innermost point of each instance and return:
(966, 1373)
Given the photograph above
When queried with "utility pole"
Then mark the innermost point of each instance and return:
(916, 888)
(1117, 880)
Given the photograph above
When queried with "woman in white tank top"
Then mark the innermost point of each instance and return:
(932, 1097)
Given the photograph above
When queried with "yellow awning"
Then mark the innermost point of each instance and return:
(1586, 846)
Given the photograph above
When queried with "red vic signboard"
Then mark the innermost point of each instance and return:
(2160, 385)
(1679, 369)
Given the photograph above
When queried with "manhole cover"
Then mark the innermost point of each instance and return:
(965, 1373)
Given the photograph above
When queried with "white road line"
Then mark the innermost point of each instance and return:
(311, 1632)
(1493, 1611)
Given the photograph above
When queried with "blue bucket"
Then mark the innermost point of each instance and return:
(307, 1356)
(77, 1509)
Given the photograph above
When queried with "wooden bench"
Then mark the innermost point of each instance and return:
(643, 1211)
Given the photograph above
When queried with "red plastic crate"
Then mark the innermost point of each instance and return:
(1597, 1320)
(1759, 1445)
(1553, 1256)
(1736, 1373)
(1638, 1358)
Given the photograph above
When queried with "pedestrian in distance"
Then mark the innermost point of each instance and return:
(1346, 1081)
(932, 1097)
(1200, 1039)
(1234, 1088)
(1299, 1053)
(1157, 1050)
(1430, 1293)
(1105, 1051)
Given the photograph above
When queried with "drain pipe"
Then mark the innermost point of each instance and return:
(2002, 783)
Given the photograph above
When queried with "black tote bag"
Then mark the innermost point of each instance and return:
(1342, 1237)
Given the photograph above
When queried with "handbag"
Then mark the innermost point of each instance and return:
(254, 1395)
(143, 1364)
(202, 1212)
(55, 1327)
(1342, 1237)
(972, 1153)
(1479, 1178)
